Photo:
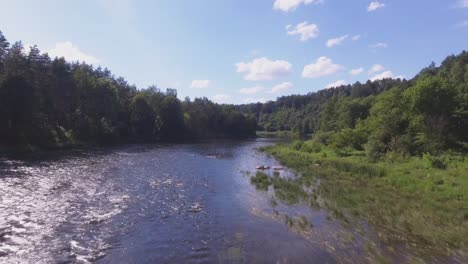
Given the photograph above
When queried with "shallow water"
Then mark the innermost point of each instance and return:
(185, 203)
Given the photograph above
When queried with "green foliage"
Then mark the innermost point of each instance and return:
(426, 114)
(311, 146)
(54, 103)
(297, 144)
(261, 181)
(433, 102)
(433, 162)
(420, 201)
(349, 138)
(395, 156)
(305, 114)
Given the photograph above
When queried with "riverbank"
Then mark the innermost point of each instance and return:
(75, 144)
(277, 134)
(418, 201)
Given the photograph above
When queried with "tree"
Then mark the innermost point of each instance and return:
(433, 99)
(17, 107)
(388, 123)
(142, 119)
(172, 119)
(3, 50)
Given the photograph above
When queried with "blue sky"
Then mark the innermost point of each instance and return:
(238, 51)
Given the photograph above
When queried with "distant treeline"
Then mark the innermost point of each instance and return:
(428, 113)
(51, 103)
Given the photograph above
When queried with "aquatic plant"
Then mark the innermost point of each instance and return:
(404, 196)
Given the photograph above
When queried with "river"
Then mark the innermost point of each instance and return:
(164, 203)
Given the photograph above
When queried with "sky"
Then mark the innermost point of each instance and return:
(242, 51)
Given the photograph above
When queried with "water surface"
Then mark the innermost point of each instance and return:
(181, 203)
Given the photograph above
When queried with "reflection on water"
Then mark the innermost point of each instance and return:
(188, 203)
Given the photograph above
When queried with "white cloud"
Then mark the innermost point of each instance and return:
(305, 30)
(322, 67)
(356, 71)
(71, 53)
(264, 69)
(376, 68)
(378, 45)
(336, 84)
(291, 5)
(462, 4)
(374, 6)
(251, 90)
(336, 41)
(282, 87)
(384, 75)
(221, 98)
(356, 37)
(200, 84)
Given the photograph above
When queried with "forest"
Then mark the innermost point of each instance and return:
(427, 114)
(52, 103)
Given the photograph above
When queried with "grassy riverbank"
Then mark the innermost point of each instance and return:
(413, 200)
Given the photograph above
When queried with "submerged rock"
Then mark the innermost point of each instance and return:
(278, 168)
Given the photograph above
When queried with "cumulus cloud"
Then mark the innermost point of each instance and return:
(386, 75)
(305, 30)
(376, 68)
(291, 5)
(383, 75)
(336, 41)
(200, 84)
(264, 69)
(281, 87)
(251, 90)
(378, 45)
(71, 53)
(221, 98)
(356, 71)
(323, 66)
(356, 37)
(374, 6)
(336, 84)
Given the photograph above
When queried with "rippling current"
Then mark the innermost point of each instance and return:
(185, 203)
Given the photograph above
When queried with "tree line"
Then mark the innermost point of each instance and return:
(49, 102)
(427, 114)
(301, 113)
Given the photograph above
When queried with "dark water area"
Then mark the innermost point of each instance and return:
(181, 203)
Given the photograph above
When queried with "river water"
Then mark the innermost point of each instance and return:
(181, 203)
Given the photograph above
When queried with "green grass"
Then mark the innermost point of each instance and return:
(261, 181)
(421, 201)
